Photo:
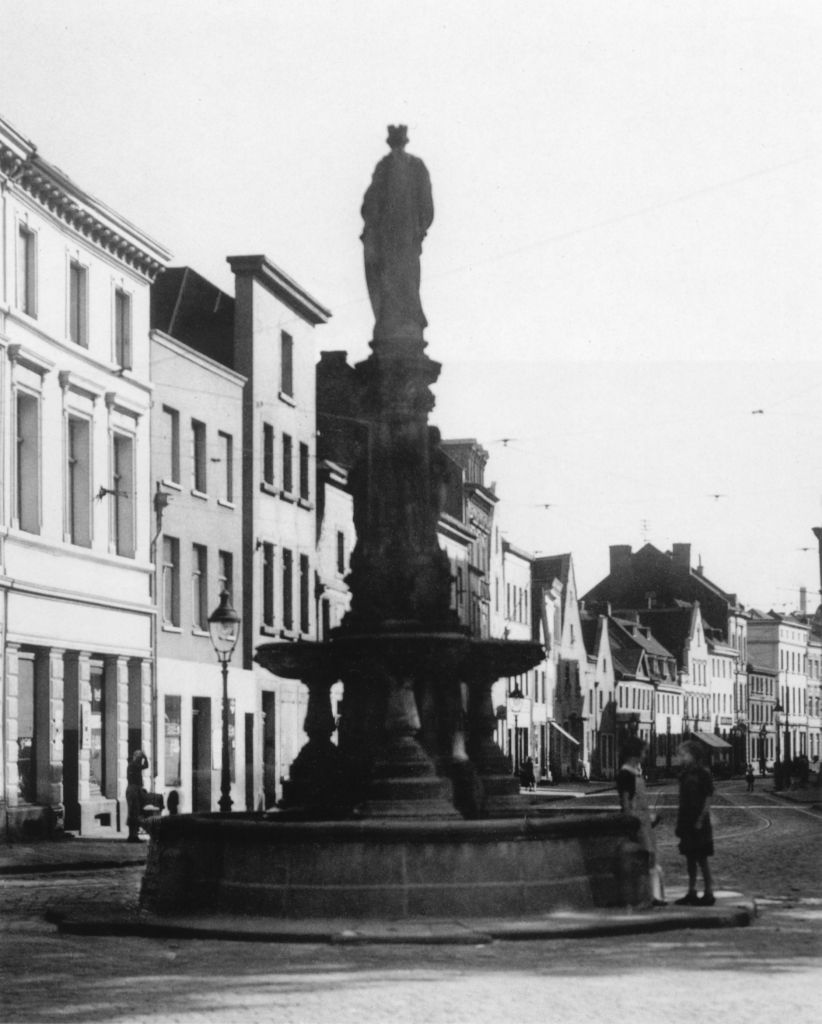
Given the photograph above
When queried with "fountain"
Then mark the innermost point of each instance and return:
(414, 811)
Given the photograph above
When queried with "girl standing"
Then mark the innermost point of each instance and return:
(693, 823)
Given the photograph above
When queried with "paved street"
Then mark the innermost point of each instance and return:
(765, 847)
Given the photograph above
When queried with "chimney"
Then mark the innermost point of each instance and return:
(681, 556)
(817, 532)
(803, 600)
(620, 557)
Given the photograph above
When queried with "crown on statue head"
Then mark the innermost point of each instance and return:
(397, 136)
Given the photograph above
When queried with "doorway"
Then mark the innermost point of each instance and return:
(249, 761)
(201, 754)
(269, 748)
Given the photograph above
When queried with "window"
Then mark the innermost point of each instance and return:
(340, 552)
(304, 488)
(199, 587)
(225, 572)
(122, 328)
(288, 482)
(170, 469)
(78, 303)
(122, 495)
(288, 585)
(173, 732)
(226, 466)
(171, 581)
(268, 585)
(78, 490)
(286, 364)
(26, 270)
(28, 462)
(198, 441)
(305, 594)
(268, 454)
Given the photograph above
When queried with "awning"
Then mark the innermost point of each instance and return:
(710, 739)
(567, 735)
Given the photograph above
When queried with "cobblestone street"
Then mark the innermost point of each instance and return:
(767, 848)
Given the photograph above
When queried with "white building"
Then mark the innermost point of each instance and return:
(75, 525)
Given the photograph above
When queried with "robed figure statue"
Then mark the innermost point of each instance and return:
(397, 210)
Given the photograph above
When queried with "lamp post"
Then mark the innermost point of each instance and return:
(777, 767)
(224, 629)
(515, 703)
(763, 760)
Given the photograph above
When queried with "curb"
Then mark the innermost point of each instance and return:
(571, 925)
(49, 867)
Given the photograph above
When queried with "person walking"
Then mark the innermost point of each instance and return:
(134, 794)
(693, 823)
(749, 777)
(633, 799)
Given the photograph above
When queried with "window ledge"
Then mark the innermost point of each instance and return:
(168, 628)
(288, 399)
(305, 503)
(289, 634)
(196, 631)
(269, 631)
(199, 494)
(268, 488)
(172, 484)
(288, 496)
(226, 504)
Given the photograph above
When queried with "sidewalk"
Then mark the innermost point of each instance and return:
(70, 853)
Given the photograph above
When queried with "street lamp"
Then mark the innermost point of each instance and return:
(224, 629)
(763, 735)
(777, 767)
(516, 700)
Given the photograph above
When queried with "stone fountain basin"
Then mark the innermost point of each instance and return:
(471, 656)
(259, 865)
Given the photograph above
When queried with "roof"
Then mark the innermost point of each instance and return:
(552, 567)
(191, 309)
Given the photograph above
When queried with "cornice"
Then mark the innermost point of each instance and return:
(55, 193)
(282, 286)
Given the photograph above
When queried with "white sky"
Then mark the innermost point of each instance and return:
(626, 256)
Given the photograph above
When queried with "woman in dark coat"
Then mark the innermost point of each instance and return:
(134, 791)
(693, 823)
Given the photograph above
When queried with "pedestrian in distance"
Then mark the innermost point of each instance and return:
(527, 777)
(633, 799)
(134, 794)
(693, 823)
(749, 777)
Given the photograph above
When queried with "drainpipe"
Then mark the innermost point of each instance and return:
(161, 500)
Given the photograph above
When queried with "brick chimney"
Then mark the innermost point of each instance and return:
(620, 557)
(681, 556)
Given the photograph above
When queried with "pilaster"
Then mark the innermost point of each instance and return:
(11, 734)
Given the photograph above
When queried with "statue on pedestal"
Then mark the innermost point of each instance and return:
(397, 210)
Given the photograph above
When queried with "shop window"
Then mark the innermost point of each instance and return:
(26, 764)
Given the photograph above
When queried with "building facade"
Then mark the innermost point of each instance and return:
(75, 497)
(197, 439)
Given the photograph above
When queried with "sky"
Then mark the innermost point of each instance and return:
(622, 280)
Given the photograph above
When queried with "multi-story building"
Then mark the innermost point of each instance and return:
(763, 685)
(264, 333)
(197, 439)
(780, 643)
(75, 496)
(567, 738)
